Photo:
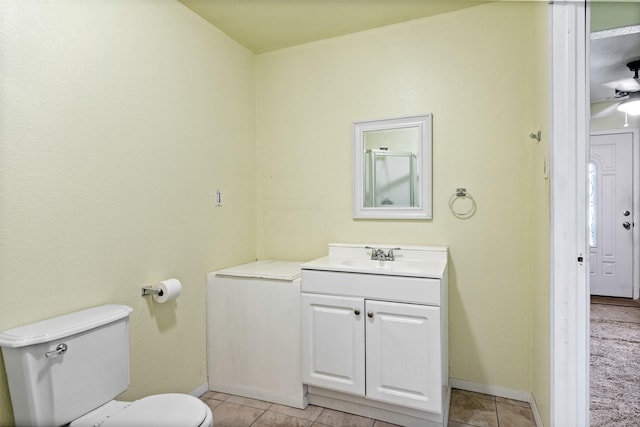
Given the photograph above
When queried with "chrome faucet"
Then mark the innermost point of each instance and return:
(379, 255)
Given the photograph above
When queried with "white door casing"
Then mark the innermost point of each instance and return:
(569, 285)
(612, 213)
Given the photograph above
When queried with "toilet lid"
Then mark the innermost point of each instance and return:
(160, 410)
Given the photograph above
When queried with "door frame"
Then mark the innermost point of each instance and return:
(569, 284)
(635, 133)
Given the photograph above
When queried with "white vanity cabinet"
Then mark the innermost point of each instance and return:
(375, 339)
(398, 343)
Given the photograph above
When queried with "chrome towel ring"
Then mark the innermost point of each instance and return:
(461, 193)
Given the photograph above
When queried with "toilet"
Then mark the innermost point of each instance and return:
(67, 371)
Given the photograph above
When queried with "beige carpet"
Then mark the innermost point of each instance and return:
(615, 373)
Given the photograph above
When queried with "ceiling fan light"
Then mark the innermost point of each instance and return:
(630, 106)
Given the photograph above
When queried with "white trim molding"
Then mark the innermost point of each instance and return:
(536, 411)
(569, 261)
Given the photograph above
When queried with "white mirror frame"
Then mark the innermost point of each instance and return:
(424, 208)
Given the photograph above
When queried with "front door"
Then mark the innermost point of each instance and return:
(610, 214)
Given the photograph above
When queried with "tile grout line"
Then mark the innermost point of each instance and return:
(259, 416)
(264, 411)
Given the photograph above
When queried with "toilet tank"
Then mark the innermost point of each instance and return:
(50, 387)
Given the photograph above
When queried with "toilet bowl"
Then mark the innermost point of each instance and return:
(68, 370)
(160, 410)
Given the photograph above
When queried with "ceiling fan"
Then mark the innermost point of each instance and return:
(627, 94)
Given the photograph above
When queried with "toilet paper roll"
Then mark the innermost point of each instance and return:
(169, 290)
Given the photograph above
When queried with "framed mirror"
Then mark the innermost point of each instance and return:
(392, 164)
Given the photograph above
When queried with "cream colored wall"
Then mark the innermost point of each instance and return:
(473, 69)
(120, 119)
(540, 227)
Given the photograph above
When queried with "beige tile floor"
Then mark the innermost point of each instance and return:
(467, 409)
(482, 410)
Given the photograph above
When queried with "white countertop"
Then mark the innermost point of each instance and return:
(410, 268)
(410, 261)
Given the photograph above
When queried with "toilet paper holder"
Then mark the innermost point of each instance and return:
(150, 290)
(164, 291)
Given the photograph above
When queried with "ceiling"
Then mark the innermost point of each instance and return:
(615, 41)
(267, 25)
(609, 56)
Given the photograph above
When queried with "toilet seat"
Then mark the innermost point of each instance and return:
(160, 410)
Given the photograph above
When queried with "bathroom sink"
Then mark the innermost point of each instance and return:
(410, 261)
(417, 275)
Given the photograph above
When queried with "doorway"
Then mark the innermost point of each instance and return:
(612, 213)
(613, 227)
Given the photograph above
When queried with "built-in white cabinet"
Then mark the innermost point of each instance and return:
(382, 350)
(374, 334)
(253, 332)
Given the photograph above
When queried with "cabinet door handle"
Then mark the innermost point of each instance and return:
(370, 314)
(356, 312)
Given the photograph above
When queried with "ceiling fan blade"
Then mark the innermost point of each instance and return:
(602, 109)
(624, 85)
(609, 99)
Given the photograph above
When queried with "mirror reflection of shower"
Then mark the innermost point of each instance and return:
(391, 176)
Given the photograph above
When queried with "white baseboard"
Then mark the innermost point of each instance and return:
(536, 412)
(523, 396)
(202, 388)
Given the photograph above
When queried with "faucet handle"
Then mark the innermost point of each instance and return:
(378, 254)
(390, 255)
(374, 251)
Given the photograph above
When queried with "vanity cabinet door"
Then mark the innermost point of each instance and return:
(333, 342)
(404, 354)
